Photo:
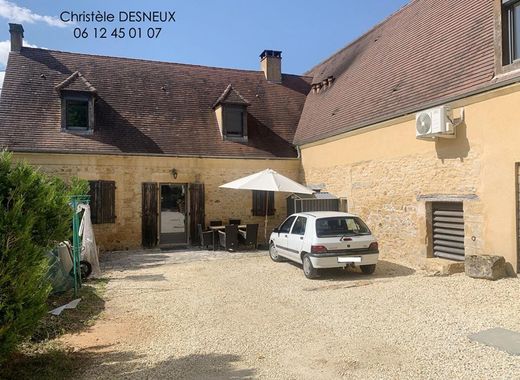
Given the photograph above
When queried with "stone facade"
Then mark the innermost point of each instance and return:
(393, 196)
(391, 179)
(129, 172)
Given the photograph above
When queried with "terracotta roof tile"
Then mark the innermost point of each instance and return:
(426, 52)
(145, 107)
(231, 96)
(76, 82)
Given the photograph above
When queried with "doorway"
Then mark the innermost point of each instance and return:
(173, 214)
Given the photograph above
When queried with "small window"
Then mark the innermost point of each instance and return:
(235, 119)
(286, 226)
(77, 112)
(341, 226)
(510, 31)
(299, 226)
(259, 203)
(102, 201)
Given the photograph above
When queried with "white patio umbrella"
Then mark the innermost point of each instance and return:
(267, 180)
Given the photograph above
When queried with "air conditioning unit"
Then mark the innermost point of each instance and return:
(435, 122)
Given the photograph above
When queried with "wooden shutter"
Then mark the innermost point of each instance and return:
(102, 201)
(196, 210)
(259, 199)
(94, 193)
(108, 201)
(149, 215)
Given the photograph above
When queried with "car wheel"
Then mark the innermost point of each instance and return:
(308, 269)
(368, 269)
(273, 253)
(86, 269)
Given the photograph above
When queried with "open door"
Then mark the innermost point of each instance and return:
(196, 210)
(174, 215)
(149, 215)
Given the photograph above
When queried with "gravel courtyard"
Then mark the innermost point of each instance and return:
(200, 315)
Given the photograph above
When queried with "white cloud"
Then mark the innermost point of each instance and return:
(5, 47)
(15, 13)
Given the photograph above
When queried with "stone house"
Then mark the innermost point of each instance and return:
(415, 123)
(155, 139)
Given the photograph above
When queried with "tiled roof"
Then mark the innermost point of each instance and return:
(144, 106)
(231, 96)
(428, 51)
(76, 82)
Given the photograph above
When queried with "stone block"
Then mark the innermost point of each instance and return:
(487, 267)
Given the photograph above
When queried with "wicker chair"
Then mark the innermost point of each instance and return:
(228, 238)
(249, 237)
(206, 237)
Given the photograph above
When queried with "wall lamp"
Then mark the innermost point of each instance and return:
(174, 173)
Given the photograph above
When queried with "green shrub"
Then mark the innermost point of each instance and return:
(34, 215)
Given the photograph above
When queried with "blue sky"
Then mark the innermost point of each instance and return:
(226, 33)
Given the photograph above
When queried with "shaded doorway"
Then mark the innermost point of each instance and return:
(173, 215)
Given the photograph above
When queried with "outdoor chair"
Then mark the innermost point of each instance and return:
(228, 238)
(205, 237)
(249, 237)
(215, 222)
(234, 221)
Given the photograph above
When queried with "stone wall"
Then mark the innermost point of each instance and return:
(129, 172)
(390, 178)
(392, 195)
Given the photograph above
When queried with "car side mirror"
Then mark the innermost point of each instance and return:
(276, 230)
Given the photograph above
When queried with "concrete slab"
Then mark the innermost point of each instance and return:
(502, 339)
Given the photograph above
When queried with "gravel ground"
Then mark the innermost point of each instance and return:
(201, 315)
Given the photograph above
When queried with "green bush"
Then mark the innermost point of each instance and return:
(34, 215)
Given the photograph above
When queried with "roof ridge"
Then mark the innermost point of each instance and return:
(353, 42)
(156, 61)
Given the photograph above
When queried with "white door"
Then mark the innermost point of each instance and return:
(295, 239)
(281, 240)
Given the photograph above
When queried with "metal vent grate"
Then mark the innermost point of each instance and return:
(448, 230)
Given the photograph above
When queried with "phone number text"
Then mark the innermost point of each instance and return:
(103, 33)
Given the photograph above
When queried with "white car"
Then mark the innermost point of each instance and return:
(324, 239)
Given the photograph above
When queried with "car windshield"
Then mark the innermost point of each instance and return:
(341, 226)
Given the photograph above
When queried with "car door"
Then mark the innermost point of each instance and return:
(296, 237)
(281, 239)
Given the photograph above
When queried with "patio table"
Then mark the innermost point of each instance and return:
(216, 229)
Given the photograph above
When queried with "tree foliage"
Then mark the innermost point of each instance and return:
(34, 215)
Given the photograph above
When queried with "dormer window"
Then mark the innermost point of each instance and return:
(231, 111)
(76, 112)
(77, 103)
(235, 121)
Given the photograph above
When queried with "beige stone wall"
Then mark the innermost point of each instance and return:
(389, 177)
(129, 172)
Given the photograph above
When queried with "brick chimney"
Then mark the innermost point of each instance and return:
(16, 31)
(271, 64)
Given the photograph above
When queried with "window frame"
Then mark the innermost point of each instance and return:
(227, 110)
(293, 217)
(503, 63)
(77, 96)
(304, 226)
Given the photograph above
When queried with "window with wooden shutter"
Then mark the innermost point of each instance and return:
(259, 206)
(102, 201)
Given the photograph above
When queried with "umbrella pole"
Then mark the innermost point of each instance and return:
(265, 222)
